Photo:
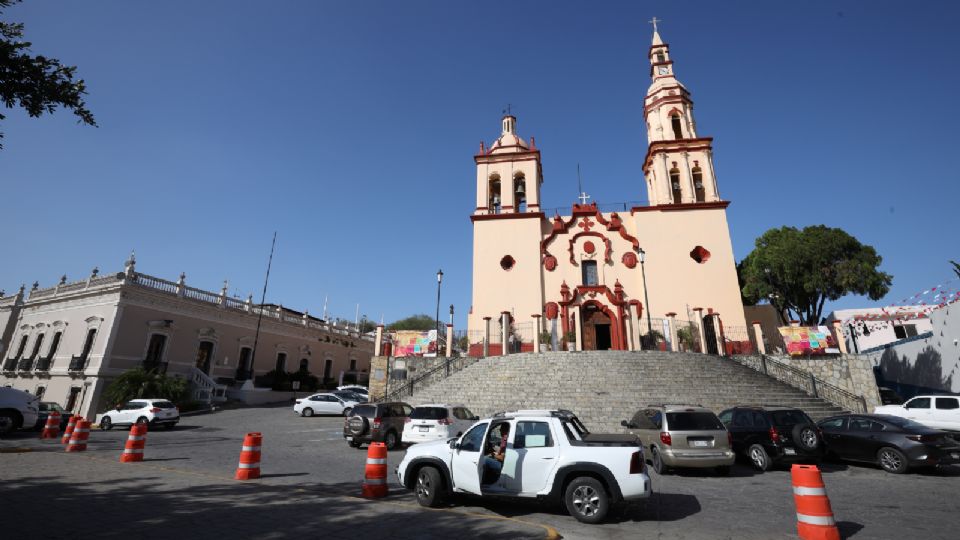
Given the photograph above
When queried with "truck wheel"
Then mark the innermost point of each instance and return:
(587, 500)
(658, 462)
(759, 458)
(10, 421)
(429, 488)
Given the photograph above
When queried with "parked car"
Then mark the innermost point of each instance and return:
(889, 396)
(156, 412)
(350, 396)
(323, 403)
(436, 422)
(354, 388)
(376, 422)
(17, 409)
(894, 443)
(46, 407)
(939, 412)
(682, 436)
(768, 436)
(546, 454)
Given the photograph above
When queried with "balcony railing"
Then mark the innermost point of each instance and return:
(77, 363)
(10, 364)
(43, 364)
(25, 364)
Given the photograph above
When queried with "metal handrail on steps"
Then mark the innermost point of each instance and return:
(436, 373)
(805, 381)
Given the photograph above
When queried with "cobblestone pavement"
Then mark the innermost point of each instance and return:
(311, 483)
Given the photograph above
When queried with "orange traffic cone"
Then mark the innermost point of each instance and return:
(375, 473)
(71, 424)
(136, 441)
(249, 467)
(814, 515)
(78, 439)
(51, 430)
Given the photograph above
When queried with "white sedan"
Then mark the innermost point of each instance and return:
(323, 404)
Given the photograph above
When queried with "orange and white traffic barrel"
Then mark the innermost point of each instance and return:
(78, 439)
(815, 519)
(51, 430)
(136, 441)
(249, 467)
(375, 473)
(71, 424)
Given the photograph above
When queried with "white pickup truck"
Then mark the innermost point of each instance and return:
(938, 412)
(548, 455)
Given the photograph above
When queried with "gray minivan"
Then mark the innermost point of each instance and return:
(682, 436)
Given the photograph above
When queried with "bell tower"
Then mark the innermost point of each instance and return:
(679, 165)
(508, 173)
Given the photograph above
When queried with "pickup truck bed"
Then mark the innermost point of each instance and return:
(608, 439)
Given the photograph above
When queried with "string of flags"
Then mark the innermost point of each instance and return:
(918, 306)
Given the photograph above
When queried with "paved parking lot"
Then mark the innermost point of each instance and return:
(311, 484)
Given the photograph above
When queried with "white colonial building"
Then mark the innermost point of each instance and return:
(65, 343)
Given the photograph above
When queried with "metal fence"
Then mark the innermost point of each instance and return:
(739, 340)
(805, 381)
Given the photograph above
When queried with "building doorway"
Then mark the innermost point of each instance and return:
(72, 399)
(709, 334)
(243, 366)
(204, 356)
(596, 329)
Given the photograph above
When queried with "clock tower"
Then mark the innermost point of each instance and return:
(679, 165)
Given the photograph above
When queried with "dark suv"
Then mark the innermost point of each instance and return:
(376, 422)
(772, 435)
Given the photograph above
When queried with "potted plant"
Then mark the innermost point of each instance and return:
(571, 339)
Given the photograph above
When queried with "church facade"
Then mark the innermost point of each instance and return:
(603, 278)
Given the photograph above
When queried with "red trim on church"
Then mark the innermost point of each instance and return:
(511, 215)
(681, 206)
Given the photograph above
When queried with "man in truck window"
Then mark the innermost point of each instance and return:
(493, 460)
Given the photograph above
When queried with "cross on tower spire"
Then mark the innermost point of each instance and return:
(654, 22)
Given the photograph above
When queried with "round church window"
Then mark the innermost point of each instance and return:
(507, 262)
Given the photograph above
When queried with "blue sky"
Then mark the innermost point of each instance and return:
(349, 127)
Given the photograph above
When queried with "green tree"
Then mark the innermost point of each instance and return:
(36, 83)
(414, 322)
(140, 383)
(799, 270)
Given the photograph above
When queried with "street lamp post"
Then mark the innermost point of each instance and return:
(439, 281)
(646, 297)
(451, 337)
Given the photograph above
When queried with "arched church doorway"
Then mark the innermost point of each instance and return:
(597, 328)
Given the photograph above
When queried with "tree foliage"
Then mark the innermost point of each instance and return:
(799, 270)
(37, 84)
(414, 322)
(140, 383)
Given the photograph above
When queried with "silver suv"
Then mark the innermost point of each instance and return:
(682, 436)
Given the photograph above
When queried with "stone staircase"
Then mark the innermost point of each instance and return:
(605, 387)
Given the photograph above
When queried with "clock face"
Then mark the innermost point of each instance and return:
(664, 70)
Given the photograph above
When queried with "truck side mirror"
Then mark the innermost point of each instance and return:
(454, 445)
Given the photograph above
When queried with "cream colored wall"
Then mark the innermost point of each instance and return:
(229, 332)
(494, 289)
(675, 280)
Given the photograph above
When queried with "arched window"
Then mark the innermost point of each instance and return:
(21, 348)
(519, 193)
(660, 57)
(675, 186)
(494, 200)
(281, 366)
(677, 127)
(698, 184)
(304, 365)
(36, 346)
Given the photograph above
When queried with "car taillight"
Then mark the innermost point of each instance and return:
(774, 436)
(445, 421)
(665, 438)
(636, 463)
(155, 410)
(376, 423)
(729, 439)
(924, 438)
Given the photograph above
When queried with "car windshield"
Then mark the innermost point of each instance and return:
(365, 411)
(693, 421)
(349, 396)
(163, 405)
(428, 413)
(789, 418)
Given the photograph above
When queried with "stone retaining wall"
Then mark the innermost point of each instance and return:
(849, 372)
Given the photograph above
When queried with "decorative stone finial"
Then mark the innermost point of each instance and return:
(130, 265)
(183, 278)
(94, 272)
(23, 287)
(63, 279)
(36, 285)
(226, 287)
(250, 298)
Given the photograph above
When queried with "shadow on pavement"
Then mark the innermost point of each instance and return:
(848, 528)
(161, 506)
